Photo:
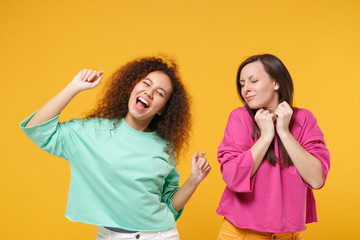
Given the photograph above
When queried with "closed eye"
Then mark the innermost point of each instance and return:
(161, 94)
(242, 83)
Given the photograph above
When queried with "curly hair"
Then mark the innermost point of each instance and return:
(175, 122)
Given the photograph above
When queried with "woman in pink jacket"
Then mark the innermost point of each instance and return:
(272, 156)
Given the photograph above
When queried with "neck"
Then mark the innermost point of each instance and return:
(271, 108)
(273, 104)
(140, 125)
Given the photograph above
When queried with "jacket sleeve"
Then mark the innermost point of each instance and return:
(234, 155)
(170, 187)
(312, 140)
(55, 138)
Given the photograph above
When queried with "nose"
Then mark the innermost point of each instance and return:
(245, 88)
(149, 93)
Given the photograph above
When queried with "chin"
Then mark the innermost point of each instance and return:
(253, 107)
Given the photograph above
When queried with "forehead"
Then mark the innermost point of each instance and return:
(252, 69)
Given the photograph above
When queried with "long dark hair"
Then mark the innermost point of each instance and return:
(174, 124)
(277, 71)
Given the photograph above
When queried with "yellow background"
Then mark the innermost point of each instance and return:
(45, 43)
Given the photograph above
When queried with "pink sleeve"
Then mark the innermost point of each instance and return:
(234, 154)
(312, 140)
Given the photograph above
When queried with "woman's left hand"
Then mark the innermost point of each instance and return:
(283, 115)
(200, 167)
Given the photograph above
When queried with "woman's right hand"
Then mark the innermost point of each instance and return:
(265, 121)
(86, 79)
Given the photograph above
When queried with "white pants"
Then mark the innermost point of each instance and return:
(106, 234)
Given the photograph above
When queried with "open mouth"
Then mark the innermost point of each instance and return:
(142, 103)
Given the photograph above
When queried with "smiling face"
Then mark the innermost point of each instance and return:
(148, 98)
(257, 88)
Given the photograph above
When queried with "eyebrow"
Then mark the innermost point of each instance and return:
(242, 80)
(153, 83)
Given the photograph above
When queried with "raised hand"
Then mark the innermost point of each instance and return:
(200, 167)
(265, 121)
(283, 115)
(86, 79)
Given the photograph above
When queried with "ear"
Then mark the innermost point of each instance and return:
(160, 112)
(163, 109)
(276, 86)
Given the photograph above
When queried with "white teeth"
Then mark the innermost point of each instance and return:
(144, 101)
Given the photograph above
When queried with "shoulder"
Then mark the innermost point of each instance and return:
(240, 113)
(303, 118)
(239, 121)
(91, 123)
(305, 127)
(302, 115)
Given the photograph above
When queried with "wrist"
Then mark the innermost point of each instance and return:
(193, 181)
(266, 137)
(72, 90)
(284, 133)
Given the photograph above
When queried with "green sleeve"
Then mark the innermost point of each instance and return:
(56, 138)
(171, 186)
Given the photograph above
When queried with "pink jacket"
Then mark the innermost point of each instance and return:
(276, 199)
